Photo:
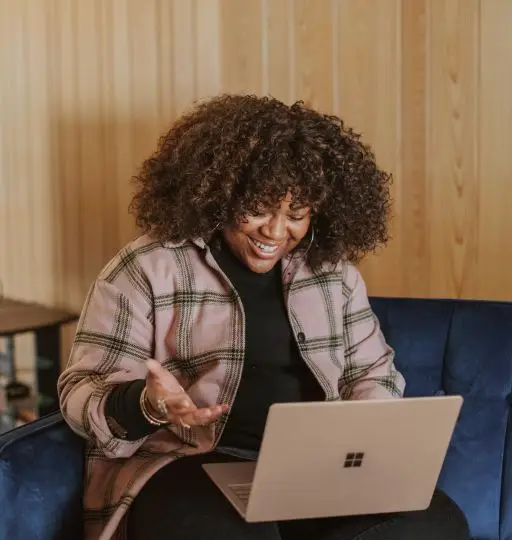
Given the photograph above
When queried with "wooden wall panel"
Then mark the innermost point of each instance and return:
(412, 206)
(279, 27)
(492, 275)
(452, 127)
(369, 100)
(242, 50)
(87, 88)
(313, 51)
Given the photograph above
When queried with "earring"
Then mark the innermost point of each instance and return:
(311, 239)
(215, 229)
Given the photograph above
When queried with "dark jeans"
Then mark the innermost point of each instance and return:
(180, 502)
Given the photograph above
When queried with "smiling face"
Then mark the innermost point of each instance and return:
(261, 241)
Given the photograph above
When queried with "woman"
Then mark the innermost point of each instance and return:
(242, 292)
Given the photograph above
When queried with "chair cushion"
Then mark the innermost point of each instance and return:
(461, 347)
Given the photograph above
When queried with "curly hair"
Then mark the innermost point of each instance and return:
(233, 155)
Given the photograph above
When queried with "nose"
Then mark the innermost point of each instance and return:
(275, 228)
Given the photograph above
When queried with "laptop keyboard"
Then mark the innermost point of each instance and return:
(242, 491)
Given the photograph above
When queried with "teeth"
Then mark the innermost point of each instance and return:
(264, 247)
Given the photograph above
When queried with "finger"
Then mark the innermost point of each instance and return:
(194, 416)
(203, 416)
(181, 413)
(154, 368)
(210, 413)
(160, 375)
(165, 384)
(155, 375)
(183, 406)
(179, 402)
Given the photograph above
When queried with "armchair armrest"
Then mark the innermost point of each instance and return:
(41, 472)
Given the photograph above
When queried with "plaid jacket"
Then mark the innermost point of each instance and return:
(174, 304)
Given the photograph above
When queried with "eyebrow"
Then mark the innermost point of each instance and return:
(300, 209)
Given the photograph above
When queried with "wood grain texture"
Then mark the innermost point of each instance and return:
(369, 101)
(491, 276)
(451, 138)
(279, 28)
(241, 31)
(413, 222)
(313, 50)
(88, 87)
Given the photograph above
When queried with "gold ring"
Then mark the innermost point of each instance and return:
(162, 407)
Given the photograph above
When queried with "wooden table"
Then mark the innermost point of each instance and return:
(17, 317)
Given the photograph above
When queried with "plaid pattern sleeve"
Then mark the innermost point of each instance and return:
(369, 371)
(113, 339)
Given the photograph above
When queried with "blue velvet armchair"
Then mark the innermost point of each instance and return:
(442, 347)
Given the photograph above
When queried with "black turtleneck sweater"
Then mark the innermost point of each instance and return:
(273, 372)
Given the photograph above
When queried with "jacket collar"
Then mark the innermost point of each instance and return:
(291, 263)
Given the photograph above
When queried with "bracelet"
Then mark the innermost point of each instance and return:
(153, 420)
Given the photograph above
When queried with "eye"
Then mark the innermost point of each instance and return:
(258, 214)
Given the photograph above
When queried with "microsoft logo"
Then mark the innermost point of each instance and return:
(354, 459)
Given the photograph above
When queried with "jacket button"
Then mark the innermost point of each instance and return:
(301, 337)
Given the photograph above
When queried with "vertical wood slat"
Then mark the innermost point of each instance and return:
(452, 176)
(207, 48)
(122, 113)
(369, 101)
(279, 19)
(184, 29)
(414, 223)
(6, 183)
(491, 275)
(241, 51)
(85, 119)
(14, 104)
(68, 178)
(313, 53)
(105, 128)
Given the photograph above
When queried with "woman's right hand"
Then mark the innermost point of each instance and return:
(161, 384)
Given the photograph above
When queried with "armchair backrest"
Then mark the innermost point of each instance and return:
(463, 347)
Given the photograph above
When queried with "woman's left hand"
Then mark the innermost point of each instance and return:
(176, 406)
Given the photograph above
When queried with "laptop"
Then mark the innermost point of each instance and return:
(342, 458)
